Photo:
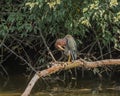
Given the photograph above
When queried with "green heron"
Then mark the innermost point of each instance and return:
(68, 45)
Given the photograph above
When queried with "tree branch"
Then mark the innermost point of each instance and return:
(20, 58)
(57, 66)
(47, 46)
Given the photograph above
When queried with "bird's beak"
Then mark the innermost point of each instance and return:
(61, 48)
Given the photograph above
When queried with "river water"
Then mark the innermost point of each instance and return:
(16, 85)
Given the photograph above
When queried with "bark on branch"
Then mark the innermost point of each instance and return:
(67, 65)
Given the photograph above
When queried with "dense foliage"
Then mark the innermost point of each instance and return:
(94, 24)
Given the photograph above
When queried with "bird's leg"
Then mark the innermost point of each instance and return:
(69, 57)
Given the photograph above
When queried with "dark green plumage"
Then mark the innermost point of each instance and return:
(71, 47)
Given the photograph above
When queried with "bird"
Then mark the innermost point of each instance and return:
(68, 45)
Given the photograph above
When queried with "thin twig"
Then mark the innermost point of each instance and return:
(47, 47)
(2, 60)
(98, 41)
(20, 57)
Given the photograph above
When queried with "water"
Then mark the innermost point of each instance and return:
(16, 85)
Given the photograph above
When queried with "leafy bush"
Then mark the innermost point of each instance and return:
(94, 24)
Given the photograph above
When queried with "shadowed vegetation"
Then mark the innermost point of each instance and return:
(93, 23)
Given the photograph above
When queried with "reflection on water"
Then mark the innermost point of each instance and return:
(13, 86)
(16, 85)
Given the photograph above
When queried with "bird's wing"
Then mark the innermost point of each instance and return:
(72, 44)
(72, 47)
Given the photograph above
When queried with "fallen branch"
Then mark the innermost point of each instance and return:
(57, 66)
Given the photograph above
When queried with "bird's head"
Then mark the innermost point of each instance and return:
(60, 44)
